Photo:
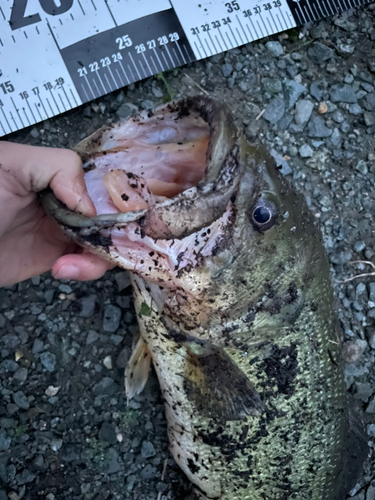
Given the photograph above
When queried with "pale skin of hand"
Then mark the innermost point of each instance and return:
(30, 242)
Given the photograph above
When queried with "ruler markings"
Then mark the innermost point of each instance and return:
(249, 30)
(144, 57)
(302, 12)
(135, 67)
(6, 119)
(109, 10)
(37, 108)
(212, 42)
(113, 78)
(229, 26)
(196, 46)
(208, 47)
(62, 102)
(41, 102)
(84, 91)
(109, 85)
(182, 55)
(170, 57)
(50, 107)
(156, 54)
(176, 56)
(101, 81)
(123, 70)
(309, 6)
(153, 62)
(239, 36)
(219, 44)
(54, 100)
(274, 22)
(299, 19)
(264, 24)
(339, 4)
(89, 86)
(31, 111)
(283, 27)
(66, 96)
(27, 118)
(119, 77)
(254, 28)
(187, 52)
(100, 40)
(17, 111)
(2, 127)
(269, 23)
(204, 50)
(316, 12)
(14, 121)
(321, 12)
(74, 97)
(317, 16)
(83, 12)
(131, 72)
(330, 7)
(224, 42)
(260, 28)
(231, 45)
(97, 88)
(244, 32)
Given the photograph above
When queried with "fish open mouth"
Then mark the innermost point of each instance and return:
(161, 183)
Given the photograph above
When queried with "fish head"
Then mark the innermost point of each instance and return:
(185, 202)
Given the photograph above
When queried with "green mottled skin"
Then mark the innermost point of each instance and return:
(245, 345)
(294, 450)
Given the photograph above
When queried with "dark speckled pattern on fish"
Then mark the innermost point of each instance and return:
(241, 329)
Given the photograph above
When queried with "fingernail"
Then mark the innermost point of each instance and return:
(67, 271)
(87, 205)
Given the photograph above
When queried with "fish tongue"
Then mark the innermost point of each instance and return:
(127, 190)
(199, 206)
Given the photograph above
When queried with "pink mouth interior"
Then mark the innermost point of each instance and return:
(167, 154)
(141, 162)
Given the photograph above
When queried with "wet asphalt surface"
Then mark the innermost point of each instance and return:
(66, 430)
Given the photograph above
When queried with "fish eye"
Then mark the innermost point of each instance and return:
(263, 215)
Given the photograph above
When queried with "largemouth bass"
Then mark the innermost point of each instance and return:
(233, 298)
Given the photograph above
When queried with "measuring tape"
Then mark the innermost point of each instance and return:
(58, 54)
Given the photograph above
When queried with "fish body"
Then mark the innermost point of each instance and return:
(233, 298)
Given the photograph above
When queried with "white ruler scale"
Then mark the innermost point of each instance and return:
(58, 54)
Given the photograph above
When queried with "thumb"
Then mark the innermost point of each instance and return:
(36, 168)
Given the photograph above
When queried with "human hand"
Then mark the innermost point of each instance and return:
(30, 242)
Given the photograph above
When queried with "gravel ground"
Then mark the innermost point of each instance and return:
(65, 428)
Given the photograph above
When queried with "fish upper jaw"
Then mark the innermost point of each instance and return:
(168, 236)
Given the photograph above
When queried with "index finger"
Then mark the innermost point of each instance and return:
(36, 168)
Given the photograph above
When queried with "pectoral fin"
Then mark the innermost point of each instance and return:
(137, 369)
(215, 384)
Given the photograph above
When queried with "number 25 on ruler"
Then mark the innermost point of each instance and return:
(19, 20)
